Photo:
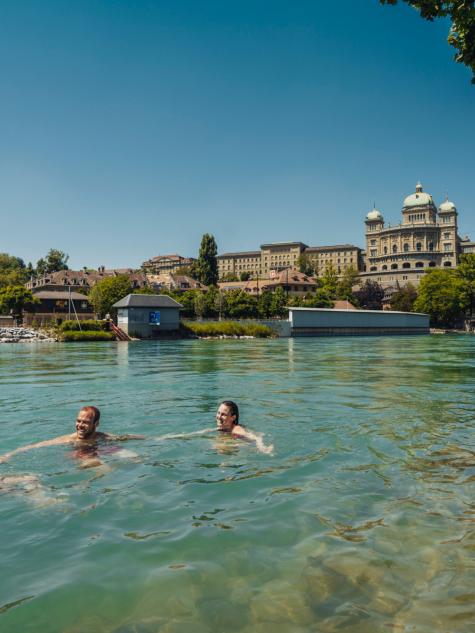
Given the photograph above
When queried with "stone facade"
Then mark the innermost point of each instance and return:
(166, 264)
(275, 257)
(426, 238)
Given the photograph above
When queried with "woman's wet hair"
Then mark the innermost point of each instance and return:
(234, 409)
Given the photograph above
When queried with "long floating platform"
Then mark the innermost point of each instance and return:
(327, 322)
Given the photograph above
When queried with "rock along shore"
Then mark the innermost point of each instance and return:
(22, 335)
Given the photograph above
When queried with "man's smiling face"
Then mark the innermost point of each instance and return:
(85, 425)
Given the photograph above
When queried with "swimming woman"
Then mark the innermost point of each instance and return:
(227, 421)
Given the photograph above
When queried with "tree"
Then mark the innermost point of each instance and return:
(55, 260)
(306, 265)
(229, 277)
(14, 299)
(207, 261)
(320, 299)
(403, 299)
(12, 270)
(329, 281)
(345, 284)
(245, 276)
(264, 304)
(240, 305)
(370, 295)
(466, 275)
(439, 296)
(462, 31)
(108, 291)
(278, 304)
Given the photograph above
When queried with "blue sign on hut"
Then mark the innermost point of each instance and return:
(147, 316)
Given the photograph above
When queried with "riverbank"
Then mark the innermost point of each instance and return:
(23, 335)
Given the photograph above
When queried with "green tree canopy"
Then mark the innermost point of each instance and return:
(462, 31)
(345, 285)
(240, 305)
(439, 296)
(306, 265)
(55, 260)
(370, 295)
(12, 270)
(207, 261)
(465, 273)
(15, 299)
(108, 291)
(403, 300)
(329, 281)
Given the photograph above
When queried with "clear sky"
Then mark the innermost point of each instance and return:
(128, 128)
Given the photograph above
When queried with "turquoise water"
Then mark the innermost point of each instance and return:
(362, 520)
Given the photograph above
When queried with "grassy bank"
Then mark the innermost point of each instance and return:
(226, 328)
(91, 330)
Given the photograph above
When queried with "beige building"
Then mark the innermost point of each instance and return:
(278, 256)
(166, 264)
(427, 238)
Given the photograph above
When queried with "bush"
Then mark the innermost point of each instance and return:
(227, 328)
(88, 324)
(86, 335)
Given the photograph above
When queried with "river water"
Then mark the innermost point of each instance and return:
(362, 520)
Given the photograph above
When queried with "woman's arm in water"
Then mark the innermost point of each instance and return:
(240, 431)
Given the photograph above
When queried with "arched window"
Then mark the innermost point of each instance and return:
(393, 266)
(406, 265)
(385, 250)
(431, 246)
(418, 246)
(447, 264)
(384, 267)
(373, 268)
(419, 264)
(394, 248)
(431, 264)
(406, 247)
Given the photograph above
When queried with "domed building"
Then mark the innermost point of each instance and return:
(426, 238)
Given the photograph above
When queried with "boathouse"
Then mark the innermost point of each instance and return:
(327, 322)
(147, 316)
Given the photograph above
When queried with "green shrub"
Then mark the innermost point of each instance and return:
(88, 324)
(227, 328)
(86, 335)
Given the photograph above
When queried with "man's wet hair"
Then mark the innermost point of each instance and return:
(234, 409)
(94, 410)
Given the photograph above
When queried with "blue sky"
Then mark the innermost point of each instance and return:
(130, 128)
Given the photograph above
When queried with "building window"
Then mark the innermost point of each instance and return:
(447, 264)
(419, 265)
(385, 250)
(447, 247)
(406, 265)
(384, 267)
(373, 268)
(418, 246)
(394, 248)
(406, 247)
(373, 242)
(394, 266)
(373, 252)
(431, 264)
(431, 246)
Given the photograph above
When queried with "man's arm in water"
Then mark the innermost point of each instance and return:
(63, 439)
(253, 437)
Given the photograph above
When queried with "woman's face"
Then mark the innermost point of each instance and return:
(224, 418)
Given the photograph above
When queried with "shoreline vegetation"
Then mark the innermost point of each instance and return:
(91, 330)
